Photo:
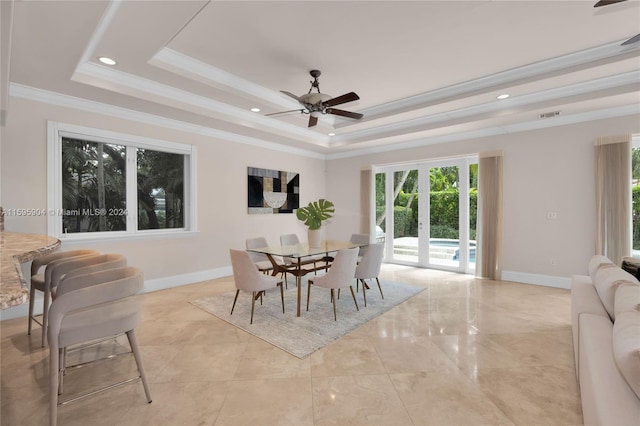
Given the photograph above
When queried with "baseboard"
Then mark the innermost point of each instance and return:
(149, 286)
(536, 279)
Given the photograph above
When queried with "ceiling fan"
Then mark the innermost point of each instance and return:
(316, 104)
(601, 3)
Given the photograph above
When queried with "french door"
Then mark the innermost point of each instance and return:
(426, 213)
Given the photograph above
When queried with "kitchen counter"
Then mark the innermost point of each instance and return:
(17, 248)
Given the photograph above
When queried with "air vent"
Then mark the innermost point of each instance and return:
(549, 114)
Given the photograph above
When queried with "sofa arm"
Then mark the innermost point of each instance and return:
(606, 397)
(584, 299)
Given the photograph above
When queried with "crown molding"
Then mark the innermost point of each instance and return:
(53, 98)
(132, 85)
(191, 68)
(72, 102)
(622, 111)
(518, 103)
(609, 52)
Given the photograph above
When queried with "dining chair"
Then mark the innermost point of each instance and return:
(340, 275)
(292, 240)
(39, 283)
(369, 268)
(261, 260)
(248, 278)
(360, 239)
(91, 307)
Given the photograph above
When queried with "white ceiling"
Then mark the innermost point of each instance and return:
(425, 71)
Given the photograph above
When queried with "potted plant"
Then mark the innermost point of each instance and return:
(313, 215)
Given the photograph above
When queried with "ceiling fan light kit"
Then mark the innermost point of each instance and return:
(317, 104)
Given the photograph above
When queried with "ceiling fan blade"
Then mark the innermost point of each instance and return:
(344, 113)
(607, 2)
(313, 121)
(297, 98)
(634, 39)
(347, 97)
(283, 112)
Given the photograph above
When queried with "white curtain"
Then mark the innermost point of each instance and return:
(489, 256)
(365, 201)
(613, 196)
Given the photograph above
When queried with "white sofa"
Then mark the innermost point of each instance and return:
(605, 309)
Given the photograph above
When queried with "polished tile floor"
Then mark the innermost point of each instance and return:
(463, 352)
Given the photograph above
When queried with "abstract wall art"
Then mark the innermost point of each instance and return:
(272, 191)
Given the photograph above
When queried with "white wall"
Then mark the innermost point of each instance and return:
(544, 170)
(223, 220)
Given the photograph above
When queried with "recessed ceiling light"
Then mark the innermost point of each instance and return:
(331, 134)
(504, 96)
(106, 61)
(254, 109)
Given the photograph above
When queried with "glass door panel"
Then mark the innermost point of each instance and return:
(405, 216)
(473, 215)
(444, 217)
(381, 207)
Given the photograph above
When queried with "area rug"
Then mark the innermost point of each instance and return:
(301, 336)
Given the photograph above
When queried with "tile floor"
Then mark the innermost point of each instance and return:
(463, 352)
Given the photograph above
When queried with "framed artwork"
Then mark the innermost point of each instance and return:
(272, 191)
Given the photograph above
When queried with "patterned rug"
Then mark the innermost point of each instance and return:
(301, 336)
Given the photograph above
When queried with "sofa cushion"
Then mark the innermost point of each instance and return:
(626, 347)
(627, 298)
(607, 281)
(596, 262)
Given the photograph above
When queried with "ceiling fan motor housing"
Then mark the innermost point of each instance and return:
(315, 98)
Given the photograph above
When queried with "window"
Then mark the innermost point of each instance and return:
(635, 194)
(105, 184)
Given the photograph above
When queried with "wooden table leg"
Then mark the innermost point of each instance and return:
(299, 283)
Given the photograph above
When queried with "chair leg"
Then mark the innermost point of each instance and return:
(45, 316)
(234, 301)
(333, 299)
(133, 342)
(282, 296)
(379, 288)
(308, 293)
(54, 365)
(32, 295)
(253, 304)
(364, 293)
(354, 297)
(62, 367)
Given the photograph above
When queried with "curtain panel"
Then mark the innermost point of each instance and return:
(489, 256)
(613, 196)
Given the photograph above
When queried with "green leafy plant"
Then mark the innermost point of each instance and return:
(315, 213)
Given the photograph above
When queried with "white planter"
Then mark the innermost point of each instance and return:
(315, 237)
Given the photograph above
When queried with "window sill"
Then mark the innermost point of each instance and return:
(122, 236)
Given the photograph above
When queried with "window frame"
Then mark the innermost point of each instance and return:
(56, 131)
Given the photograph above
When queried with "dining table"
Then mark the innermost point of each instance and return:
(300, 255)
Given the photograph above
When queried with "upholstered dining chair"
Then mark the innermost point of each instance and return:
(39, 283)
(88, 308)
(248, 278)
(369, 268)
(261, 260)
(340, 275)
(362, 239)
(292, 240)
